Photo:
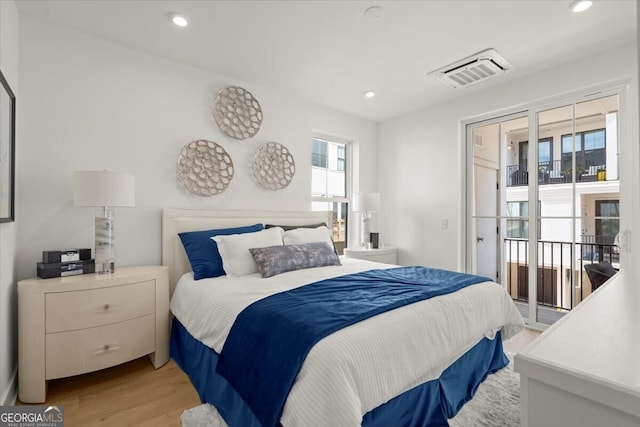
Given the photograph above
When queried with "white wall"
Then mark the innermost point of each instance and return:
(635, 155)
(8, 308)
(419, 154)
(89, 104)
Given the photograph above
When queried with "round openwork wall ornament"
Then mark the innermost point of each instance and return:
(204, 168)
(273, 166)
(237, 112)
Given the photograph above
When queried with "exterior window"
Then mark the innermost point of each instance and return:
(608, 219)
(545, 152)
(607, 226)
(329, 185)
(519, 228)
(341, 158)
(567, 149)
(518, 174)
(319, 153)
(590, 149)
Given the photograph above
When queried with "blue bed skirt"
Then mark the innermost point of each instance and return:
(429, 404)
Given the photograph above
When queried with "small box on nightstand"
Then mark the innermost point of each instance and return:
(63, 269)
(68, 255)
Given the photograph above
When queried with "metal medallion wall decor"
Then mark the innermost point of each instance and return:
(204, 168)
(237, 112)
(273, 166)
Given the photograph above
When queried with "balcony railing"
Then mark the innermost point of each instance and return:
(554, 173)
(562, 282)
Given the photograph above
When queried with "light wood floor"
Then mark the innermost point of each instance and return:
(520, 341)
(131, 394)
(135, 394)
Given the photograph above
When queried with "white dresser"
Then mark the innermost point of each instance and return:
(78, 324)
(386, 255)
(584, 371)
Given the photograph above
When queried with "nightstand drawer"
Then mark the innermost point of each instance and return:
(384, 259)
(86, 350)
(69, 311)
(386, 255)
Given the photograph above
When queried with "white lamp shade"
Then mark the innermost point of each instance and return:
(366, 202)
(103, 188)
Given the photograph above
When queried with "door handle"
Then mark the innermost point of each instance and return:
(480, 239)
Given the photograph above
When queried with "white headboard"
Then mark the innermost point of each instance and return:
(175, 221)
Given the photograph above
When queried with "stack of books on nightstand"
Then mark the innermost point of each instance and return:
(65, 263)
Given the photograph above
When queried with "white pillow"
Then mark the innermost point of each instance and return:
(307, 235)
(234, 249)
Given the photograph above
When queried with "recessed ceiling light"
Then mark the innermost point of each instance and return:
(580, 5)
(179, 20)
(369, 94)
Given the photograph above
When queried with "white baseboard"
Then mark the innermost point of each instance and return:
(9, 396)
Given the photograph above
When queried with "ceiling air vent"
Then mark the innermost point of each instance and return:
(474, 69)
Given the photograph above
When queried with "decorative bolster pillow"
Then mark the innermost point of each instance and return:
(274, 260)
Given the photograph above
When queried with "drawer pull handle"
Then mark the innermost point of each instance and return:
(106, 348)
(106, 306)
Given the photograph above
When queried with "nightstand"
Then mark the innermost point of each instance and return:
(78, 324)
(386, 255)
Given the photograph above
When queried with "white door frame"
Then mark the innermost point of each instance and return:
(531, 111)
(467, 228)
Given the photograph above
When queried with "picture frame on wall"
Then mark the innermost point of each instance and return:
(7, 150)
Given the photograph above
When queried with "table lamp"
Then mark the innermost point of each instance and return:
(104, 190)
(366, 203)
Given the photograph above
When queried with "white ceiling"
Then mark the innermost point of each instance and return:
(328, 52)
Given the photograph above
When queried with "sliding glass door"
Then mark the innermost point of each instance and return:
(497, 206)
(553, 205)
(570, 191)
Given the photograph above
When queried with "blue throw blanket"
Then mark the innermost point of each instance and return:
(270, 339)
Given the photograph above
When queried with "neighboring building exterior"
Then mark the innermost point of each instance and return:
(587, 183)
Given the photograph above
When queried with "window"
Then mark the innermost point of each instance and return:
(329, 185)
(607, 227)
(545, 152)
(608, 219)
(341, 158)
(519, 228)
(590, 149)
(319, 153)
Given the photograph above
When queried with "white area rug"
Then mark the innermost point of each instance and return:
(204, 415)
(496, 404)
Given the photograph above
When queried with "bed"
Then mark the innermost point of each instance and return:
(410, 365)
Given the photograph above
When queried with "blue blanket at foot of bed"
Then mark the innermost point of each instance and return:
(427, 405)
(282, 328)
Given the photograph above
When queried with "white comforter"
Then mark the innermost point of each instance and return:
(358, 368)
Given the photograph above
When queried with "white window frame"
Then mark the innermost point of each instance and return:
(348, 172)
(349, 164)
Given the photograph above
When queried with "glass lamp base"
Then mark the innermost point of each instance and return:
(106, 267)
(365, 227)
(105, 248)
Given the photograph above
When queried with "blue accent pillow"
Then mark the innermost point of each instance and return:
(202, 250)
